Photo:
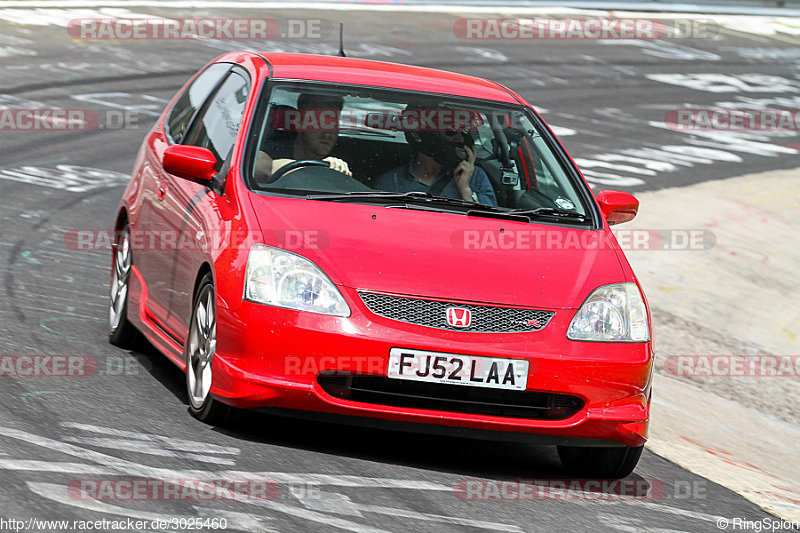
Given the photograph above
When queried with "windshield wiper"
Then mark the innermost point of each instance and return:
(412, 196)
(359, 195)
(547, 212)
(474, 209)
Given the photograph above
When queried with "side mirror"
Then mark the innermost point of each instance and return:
(191, 162)
(617, 206)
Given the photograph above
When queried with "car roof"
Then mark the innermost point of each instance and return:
(383, 74)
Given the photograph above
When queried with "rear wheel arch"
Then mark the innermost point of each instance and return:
(122, 219)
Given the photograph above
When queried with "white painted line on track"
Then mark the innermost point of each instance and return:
(69, 312)
(148, 448)
(26, 465)
(665, 509)
(172, 443)
(119, 466)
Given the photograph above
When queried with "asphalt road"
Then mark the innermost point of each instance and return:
(129, 418)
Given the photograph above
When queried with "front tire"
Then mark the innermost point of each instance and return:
(120, 331)
(199, 353)
(602, 463)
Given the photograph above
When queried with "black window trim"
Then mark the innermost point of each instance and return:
(204, 105)
(189, 125)
(194, 121)
(566, 163)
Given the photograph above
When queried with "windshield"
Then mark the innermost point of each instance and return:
(340, 141)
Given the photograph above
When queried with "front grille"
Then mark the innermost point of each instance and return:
(433, 314)
(381, 390)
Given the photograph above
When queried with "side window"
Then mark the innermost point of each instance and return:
(192, 98)
(217, 128)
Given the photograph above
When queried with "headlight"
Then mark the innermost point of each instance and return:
(614, 313)
(276, 277)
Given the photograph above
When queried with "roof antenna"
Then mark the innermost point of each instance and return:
(341, 40)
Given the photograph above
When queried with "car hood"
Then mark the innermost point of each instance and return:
(442, 255)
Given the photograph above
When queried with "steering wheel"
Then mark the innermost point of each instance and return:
(300, 163)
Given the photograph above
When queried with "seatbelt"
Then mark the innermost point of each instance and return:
(439, 185)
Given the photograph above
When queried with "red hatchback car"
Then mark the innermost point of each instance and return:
(383, 244)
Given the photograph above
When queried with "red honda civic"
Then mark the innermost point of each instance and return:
(387, 245)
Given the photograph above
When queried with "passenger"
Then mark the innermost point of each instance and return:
(314, 143)
(438, 168)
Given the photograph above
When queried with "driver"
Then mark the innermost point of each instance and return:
(442, 164)
(307, 143)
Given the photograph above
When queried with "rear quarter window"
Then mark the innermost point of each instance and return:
(192, 99)
(216, 129)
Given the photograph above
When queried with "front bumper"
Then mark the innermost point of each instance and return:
(270, 357)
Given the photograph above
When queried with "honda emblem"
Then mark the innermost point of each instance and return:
(459, 317)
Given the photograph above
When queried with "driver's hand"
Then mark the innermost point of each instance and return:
(263, 167)
(462, 175)
(338, 165)
(279, 163)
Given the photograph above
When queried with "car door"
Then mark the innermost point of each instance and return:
(189, 210)
(156, 200)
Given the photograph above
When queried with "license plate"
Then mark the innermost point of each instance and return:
(474, 370)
